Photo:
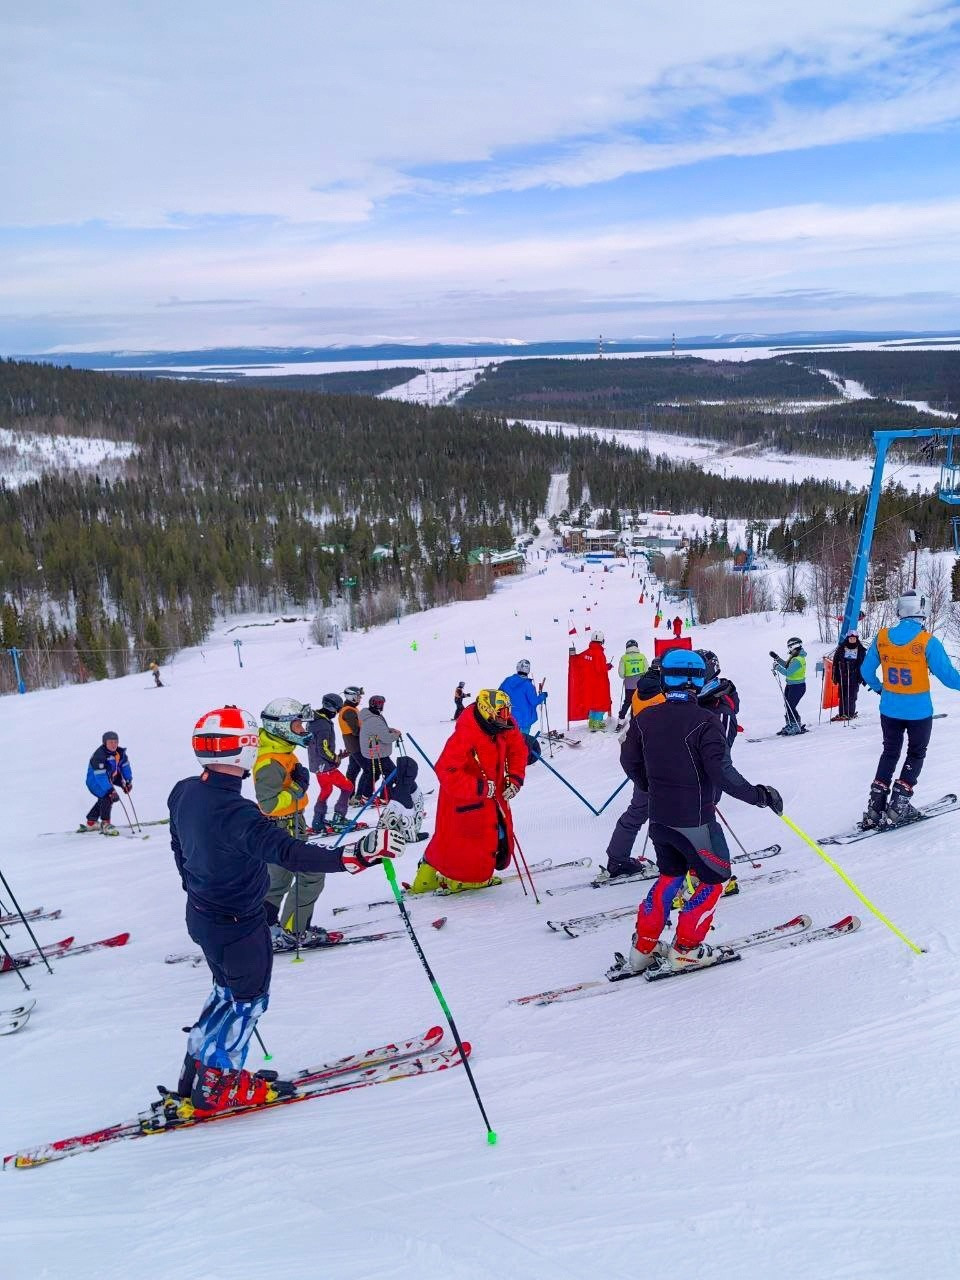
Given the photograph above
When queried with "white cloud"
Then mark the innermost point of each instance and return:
(129, 114)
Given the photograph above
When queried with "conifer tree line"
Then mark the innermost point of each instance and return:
(255, 498)
(667, 395)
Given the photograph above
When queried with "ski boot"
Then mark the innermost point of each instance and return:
(680, 959)
(899, 810)
(425, 881)
(636, 961)
(446, 886)
(876, 807)
(216, 1090)
(88, 824)
(282, 939)
(312, 936)
(108, 829)
(626, 867)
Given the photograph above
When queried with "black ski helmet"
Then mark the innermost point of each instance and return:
(376, 702)
(711, 661)
(331, 702)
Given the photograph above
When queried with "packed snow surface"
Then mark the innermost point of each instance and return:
(793, 1115)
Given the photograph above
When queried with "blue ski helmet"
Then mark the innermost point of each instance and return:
(683, 669)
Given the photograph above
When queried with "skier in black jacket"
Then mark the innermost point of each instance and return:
(222, 845)
(679, 756)
(845, 672)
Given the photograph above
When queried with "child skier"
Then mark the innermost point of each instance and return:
(458, 696)
(630, 668)
(794, 671)
(108, 770)
(323, 759)
(845, 672)
(682, 757)
(405, 810)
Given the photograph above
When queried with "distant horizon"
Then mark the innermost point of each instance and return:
(380, 348)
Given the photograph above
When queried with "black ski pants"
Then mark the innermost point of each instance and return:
(792, 694)
(628, 827)
(918, 739)
(100, 811)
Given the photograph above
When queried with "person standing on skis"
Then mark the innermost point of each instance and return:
(480, 770)
(281, 784)
(376, 742)
(525, 698)
(631, 667)
(845, 672)
(323, 759)
(620, 861)
(906, 655)
(794, 672)
(459, 694)
(223, 846)
(107, 773)
(349, 721)
(681, 758)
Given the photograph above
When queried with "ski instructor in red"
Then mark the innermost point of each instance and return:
(481, 769)
(222, 845)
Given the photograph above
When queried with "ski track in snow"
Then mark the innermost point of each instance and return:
(794, 1115)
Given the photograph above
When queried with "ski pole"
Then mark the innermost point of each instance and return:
(24, 921)
(737, 838)
(834, 866)
(267, 1057)
(125, 813)
(134, 809)
(516, 843)
(611, 797)
(391, 874)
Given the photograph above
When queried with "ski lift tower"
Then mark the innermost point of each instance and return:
(949, 493)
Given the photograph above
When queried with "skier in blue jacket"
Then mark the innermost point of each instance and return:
(523, 695)
(222, 845)
(905, 655)
(108, 770)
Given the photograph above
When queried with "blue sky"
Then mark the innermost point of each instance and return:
(216, 174)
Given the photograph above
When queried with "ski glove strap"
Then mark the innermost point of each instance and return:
(491, 790)
(372, 849)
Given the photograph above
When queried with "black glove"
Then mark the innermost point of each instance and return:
(112, 796)
(769, 798)
(774, 656)
(502, 860)
(301, 776)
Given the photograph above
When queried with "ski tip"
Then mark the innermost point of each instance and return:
(847, 925)
(118, 940)
(434, 1033)
(438, 923)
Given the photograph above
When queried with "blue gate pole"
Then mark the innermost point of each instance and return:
(858, 581)
(15, 655)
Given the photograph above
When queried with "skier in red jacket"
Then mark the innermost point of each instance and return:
(481, 769)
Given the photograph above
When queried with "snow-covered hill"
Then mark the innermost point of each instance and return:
(794, 1115)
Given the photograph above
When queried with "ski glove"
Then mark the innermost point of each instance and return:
(512, 788)
(371, 850)
(769, 798)
(112, 796)
(301, 776)
(127, 786)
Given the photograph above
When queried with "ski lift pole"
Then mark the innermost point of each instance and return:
(391, 873)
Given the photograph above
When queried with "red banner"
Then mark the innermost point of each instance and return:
(660, 647)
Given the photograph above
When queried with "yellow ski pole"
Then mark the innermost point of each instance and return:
(849, 883)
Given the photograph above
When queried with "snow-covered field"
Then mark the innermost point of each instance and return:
(726, 460)
(794, 1115)
(29, 454)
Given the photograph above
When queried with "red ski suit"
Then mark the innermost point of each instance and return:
(466, 836)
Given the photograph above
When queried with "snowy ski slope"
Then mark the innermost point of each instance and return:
(794, 1115)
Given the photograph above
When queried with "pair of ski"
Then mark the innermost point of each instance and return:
(936, 808)
(417, 1056)
(59, 951)
(335, 938)
(792, 933)
(812, 728)
(651, 872)
(12, 1020)
(536, 868)
(579, 925)
(154, 822)
(37, 913)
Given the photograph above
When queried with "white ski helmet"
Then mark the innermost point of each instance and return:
(598, 635)
(912, 605)
(279, 716)
(523, 667)
(227, 735)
